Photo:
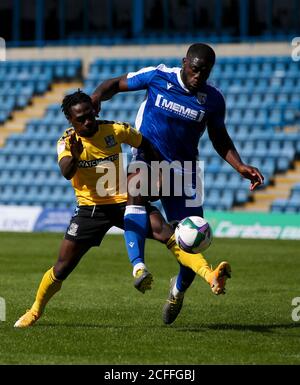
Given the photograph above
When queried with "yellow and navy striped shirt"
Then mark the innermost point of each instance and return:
(100, 177)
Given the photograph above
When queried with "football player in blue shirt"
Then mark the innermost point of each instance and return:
(179, 106)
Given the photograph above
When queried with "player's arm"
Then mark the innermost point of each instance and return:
(108, 89)
(132, 81)
(225, 147)
(68, 164)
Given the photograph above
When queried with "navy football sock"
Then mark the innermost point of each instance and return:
(184, 278)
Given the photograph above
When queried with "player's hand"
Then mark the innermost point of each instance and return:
(96, 104)
(253, 174)
(76, 146)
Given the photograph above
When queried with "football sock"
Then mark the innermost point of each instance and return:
(196, 262)
(184, 278)
(48, 287)
(136, 225)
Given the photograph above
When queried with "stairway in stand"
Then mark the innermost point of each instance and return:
(36, 109)
(282, 184)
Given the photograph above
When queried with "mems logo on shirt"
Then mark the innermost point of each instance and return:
(178, 109)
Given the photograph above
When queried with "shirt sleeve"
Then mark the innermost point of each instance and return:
(140, 80)
(129, 135)
(217, 117)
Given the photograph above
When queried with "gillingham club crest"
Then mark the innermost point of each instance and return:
(201, 98)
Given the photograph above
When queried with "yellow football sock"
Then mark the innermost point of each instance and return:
(196, 262)
(48, 287)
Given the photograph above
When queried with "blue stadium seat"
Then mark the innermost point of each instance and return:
(288, 150)
(296, 187)
(283, 163)
(241, 196)
(295, 197)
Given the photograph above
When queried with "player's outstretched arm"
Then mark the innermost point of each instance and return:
(107, 89)
(226, 149)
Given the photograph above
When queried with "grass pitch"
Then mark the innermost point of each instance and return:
(99, 318)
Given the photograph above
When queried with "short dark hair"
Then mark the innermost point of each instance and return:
(73, 99)
(202, 50)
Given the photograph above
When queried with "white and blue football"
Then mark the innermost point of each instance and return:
(193, 234)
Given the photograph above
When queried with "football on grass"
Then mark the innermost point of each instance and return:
(193, 234)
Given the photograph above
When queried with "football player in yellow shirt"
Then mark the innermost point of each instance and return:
(90, 148)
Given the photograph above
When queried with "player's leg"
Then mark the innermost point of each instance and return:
(136, 226)
(164, 232)
(69, 256)
(190, 264)
(175, 208)
(84, 231)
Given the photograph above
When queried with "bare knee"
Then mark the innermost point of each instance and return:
(69, 255)
(137, 200)
(136, 181)
(161, 230)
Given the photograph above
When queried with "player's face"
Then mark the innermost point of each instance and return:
(195, 71)
(83, 119)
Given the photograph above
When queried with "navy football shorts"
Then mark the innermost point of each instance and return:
(91, 223)
(177, 207)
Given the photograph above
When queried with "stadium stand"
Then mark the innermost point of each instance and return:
(291, 204)
(262, 95)
(20, 80)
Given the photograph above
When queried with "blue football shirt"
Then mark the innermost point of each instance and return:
(171, 117)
